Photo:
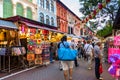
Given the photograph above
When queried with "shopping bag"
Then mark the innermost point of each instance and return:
(67, 54)
(100, 69)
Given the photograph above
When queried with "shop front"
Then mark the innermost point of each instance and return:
(36, 39)
(8, 39)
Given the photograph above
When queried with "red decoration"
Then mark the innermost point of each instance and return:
(45, 32)
(107, 1)
(90, 16)
(100, 69)
(86, 19)
(100, 6)
(32, 30)
(94, 12)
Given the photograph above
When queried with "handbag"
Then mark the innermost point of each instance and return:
(67, 54)
(100, 69)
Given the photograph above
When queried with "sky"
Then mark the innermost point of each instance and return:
(74, 6)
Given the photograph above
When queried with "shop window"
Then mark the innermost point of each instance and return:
(47, 20)
(47, 4)
(52, 6)
(52, 21)
(29, 13)
(81, 31)
(71, 30)
(19, 9)
(42, 3)
(41, 17)
(7, 8)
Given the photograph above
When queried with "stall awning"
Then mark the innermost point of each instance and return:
(7, 24)
(41, 27)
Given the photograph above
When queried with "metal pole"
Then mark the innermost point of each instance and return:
(0, 63)
(9, 64)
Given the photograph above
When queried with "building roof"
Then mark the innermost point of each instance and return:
(68, 9)
(33, 23)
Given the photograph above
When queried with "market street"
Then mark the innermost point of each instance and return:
(52, 72)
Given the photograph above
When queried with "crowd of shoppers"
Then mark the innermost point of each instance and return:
(88, 50)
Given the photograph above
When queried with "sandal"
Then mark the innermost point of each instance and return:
(70, 78)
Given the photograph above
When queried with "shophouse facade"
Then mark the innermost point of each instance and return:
(62, 22)
(25, 8)
(47, 12)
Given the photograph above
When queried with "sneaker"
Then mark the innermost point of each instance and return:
(100, 78)
(89, 68)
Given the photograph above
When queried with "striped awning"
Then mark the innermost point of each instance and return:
(7, 24)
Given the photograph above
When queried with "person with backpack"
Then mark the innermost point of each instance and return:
(67, 66)
(88, 48)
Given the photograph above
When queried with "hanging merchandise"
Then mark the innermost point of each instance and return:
(2, 51)
(45, 32)
(16, 51)
(38, 50)
(38, 60)
(30, 57)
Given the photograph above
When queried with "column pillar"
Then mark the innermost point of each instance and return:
(14, 10)
(25, 12)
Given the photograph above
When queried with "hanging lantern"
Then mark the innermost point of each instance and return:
(107, 1)
(100, 6)
(94, 12)
(90, 16)
(86, 19)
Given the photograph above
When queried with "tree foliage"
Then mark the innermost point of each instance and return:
(105, 31)
(110, 10)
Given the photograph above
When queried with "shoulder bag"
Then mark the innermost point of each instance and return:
(66, 54)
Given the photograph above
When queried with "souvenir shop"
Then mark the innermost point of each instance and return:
(9, 44)
(36, 38)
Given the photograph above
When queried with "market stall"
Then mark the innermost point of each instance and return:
(36, 38)
(8, 41)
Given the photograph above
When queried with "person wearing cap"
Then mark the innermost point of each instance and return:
(98, 58)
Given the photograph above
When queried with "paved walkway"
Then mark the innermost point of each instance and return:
(52, 72)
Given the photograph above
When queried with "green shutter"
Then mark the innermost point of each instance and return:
(30, 0)
(7, 8)
(19, 9)
(29, 13)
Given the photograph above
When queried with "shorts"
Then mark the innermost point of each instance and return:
(67, 65)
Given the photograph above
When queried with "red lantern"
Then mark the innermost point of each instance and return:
(100, 6)
(90, 16)
(94, 12)
(107, 1)
(86, 19)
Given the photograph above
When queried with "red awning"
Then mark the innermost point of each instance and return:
(41, 27)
